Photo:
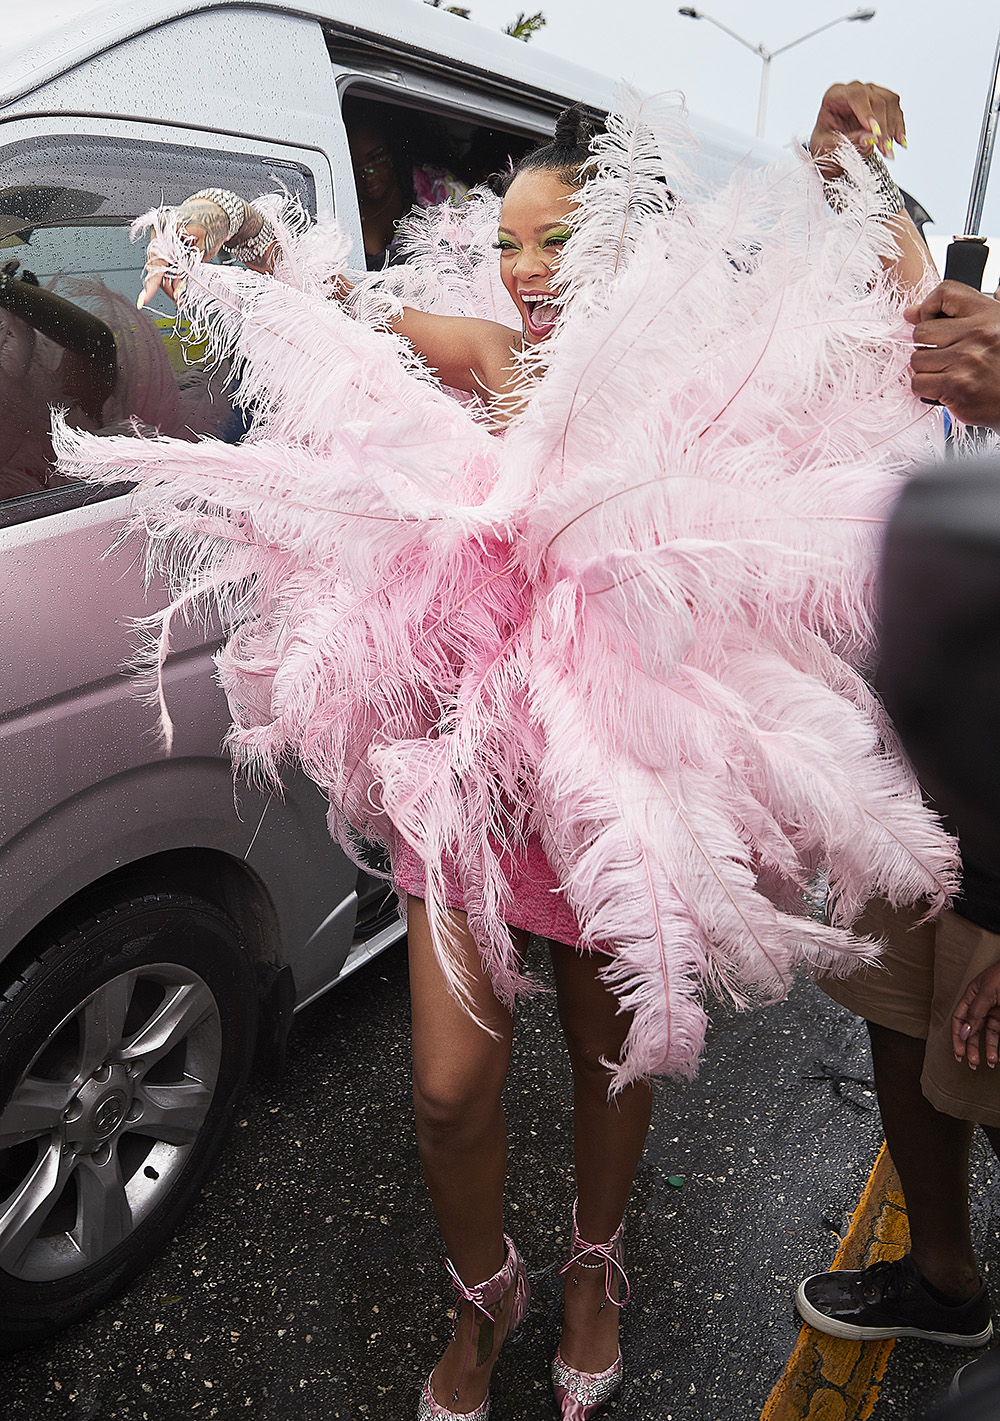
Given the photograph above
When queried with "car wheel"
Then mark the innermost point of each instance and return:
(123, 1049)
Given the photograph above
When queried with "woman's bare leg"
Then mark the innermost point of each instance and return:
(458, 1075)
(608, 1141)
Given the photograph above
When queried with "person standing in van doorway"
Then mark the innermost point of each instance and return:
(389, 183)
(559, 718)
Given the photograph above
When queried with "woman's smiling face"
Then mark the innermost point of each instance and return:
(534, 225)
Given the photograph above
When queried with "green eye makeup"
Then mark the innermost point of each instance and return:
(556, 237)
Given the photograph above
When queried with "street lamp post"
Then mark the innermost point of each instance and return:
(768, 54)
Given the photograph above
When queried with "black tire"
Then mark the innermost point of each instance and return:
(124, 1047)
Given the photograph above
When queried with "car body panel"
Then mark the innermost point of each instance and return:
(49, 38)
(102, 792)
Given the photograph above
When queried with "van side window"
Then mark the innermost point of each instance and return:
(406, 157)
(70, 334)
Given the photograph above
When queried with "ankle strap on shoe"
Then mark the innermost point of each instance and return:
(609, 1256)
(484, 1295)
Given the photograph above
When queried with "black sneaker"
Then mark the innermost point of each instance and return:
(890, 1300)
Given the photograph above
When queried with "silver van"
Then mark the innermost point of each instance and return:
(159, 926)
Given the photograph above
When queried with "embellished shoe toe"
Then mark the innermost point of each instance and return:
(580, 1395)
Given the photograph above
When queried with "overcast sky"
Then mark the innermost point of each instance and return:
(938, 56)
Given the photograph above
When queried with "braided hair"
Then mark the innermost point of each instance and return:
(567, 155)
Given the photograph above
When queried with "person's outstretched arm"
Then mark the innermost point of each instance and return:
(466, 353)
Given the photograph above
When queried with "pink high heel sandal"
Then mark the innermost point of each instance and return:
(580, 1395)
(482, 1297)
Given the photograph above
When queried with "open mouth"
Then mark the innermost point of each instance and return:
(541, 312)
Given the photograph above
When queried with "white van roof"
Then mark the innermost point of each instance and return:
(43, 38)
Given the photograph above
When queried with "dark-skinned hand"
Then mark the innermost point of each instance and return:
(957, 356)
(978, 1016)
(867, 115)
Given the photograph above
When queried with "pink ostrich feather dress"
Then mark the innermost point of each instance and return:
(601, 678)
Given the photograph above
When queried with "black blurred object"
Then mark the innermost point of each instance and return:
(939, 675)
(975, 1392)
(939, 672)
(916, 211)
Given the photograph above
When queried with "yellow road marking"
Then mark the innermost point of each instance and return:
(829, 1378)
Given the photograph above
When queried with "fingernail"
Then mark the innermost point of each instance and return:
(964, 1030)
(875, 129)
(888, 148)
(902, 141)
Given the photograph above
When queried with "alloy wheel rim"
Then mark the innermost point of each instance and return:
(101, 1123)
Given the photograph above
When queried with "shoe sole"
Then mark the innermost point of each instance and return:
(853, 1332)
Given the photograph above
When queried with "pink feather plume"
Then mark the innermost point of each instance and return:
(636, 625)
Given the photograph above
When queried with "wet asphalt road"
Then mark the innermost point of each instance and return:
(307, 1281)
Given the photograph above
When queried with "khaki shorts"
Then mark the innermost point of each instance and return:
(922, 974)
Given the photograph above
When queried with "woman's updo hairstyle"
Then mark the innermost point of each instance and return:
(567, 155)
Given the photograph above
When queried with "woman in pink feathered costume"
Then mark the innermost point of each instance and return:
(598, 679)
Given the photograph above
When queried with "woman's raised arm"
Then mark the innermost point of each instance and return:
(463, 352)
(871, 118)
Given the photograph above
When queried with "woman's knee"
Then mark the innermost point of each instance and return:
(592, 1023)
(594, 1031)
(589, 1055)
(455, 1103)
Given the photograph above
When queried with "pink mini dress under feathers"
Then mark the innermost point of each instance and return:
(537, 904)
